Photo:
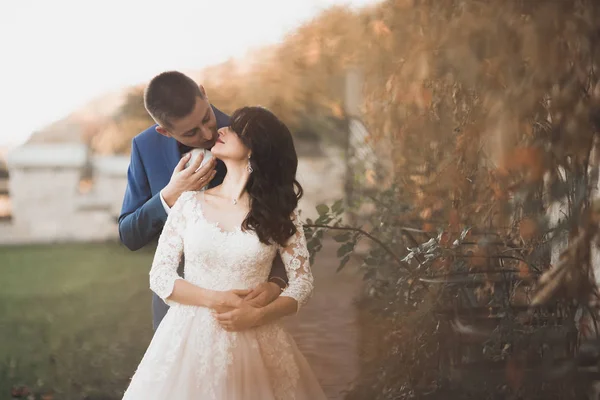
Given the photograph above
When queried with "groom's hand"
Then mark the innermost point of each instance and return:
(263, 294)
(191, 178)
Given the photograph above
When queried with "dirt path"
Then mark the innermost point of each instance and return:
(325, 328)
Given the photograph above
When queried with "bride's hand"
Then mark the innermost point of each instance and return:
(244, 317)
(227, 300)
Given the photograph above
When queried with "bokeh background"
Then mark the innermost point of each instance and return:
(449, 151)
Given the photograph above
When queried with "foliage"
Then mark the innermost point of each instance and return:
(116, 134)
(489, 113)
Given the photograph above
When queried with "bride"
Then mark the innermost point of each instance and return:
(212, 344)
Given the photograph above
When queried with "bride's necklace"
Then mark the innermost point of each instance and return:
(234, 200)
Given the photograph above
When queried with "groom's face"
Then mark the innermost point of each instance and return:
(199, 128)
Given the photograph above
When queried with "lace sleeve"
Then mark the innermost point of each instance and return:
(163, 273)
(297, 266)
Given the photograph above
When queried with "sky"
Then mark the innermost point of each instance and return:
(56, 55)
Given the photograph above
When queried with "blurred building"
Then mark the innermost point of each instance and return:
(59, 192)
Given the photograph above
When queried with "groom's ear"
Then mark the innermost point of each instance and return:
(202, 90)
(162, 131)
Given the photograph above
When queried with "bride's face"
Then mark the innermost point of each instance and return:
(229, 146)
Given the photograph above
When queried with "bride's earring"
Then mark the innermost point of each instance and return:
(249, 167)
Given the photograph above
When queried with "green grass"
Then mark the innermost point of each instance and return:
(74, 319)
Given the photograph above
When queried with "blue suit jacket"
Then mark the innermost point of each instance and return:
(153, 159)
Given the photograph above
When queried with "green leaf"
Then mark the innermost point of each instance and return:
(338, 207)
(344, 237)
(313, 244)
(345, 249)
(322, 209)
(343, 263)
(323, 220)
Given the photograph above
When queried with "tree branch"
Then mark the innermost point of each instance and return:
(367, 234)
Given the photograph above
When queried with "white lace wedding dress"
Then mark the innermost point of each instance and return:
(191, 356)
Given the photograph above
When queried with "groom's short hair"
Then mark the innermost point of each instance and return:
(171, 95)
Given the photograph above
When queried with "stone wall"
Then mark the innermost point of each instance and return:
(46, 202)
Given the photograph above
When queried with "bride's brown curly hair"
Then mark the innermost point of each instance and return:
(273, 188)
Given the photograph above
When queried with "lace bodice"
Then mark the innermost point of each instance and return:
(220, 260)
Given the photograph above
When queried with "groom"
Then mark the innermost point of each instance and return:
(157, 175)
